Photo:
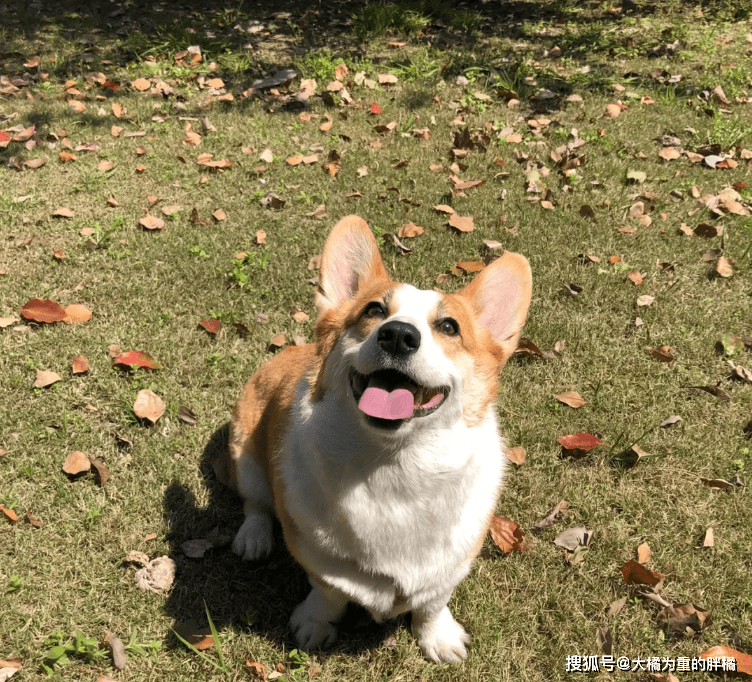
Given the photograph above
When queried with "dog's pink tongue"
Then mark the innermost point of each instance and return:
(378, 401)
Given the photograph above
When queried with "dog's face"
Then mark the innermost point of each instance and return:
(401, 359)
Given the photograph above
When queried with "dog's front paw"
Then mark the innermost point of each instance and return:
(310, 632)
(441, 638)
(254, 539)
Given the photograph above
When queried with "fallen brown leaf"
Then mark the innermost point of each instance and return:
(507, 535)
(571, 398)
(148, 405)
(571, 538)
(684, 619)
(460, 223)
(663, 353)
(9, 514)
(46, 378)
(76, 314)
(636, 574)
(580, 441)
(516, 455)
(76, 463)
(79, 364)
(152, 222)
(743, 661)
(554, 515)
(43, 310)
(200, 638)
(409, 230)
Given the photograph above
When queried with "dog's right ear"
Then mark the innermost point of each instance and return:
(351, 257)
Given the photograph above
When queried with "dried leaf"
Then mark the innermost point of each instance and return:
(516, 455)
(470, 266)
(643, 553)
(277, 342)
(256, 670)
(638, 177)
(101, 472)
(9, 514)
(141, 84)
(636, 574)
(527, 348)
(192, 138)
(724, 267)
(185, 414)
(460, 223)
(604, 640)
(507, 535)
(669, 153)
(554, 515)
(219, 215)
(663, 353)
(76, 314)
(443, 208)
(148, 405)
(152, 222)
(615, 607)
(137, 558)
(117, 648)
(211, 326)
(743, 661)
(635, 277)
(740, 373)
(8, 321)
(79, 364)
(195, 549)
(76, 463)
(409, 230)
(199, 638)
(571, 538)
(684, 619)
(580, 441)
(645, 300)
(571, 398)
(43, 310)
(136, 358)
(718, 483)
(46, 378)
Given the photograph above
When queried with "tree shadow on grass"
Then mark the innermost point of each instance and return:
(253, 597)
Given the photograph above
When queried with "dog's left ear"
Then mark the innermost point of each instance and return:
(351, 257)
(501, 295)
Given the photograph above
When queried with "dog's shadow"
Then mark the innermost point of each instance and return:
(246, 596)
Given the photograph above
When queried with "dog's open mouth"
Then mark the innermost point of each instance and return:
(391, 396)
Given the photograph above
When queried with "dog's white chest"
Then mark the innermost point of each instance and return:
(401, 527)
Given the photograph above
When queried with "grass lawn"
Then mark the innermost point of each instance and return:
(612, 142)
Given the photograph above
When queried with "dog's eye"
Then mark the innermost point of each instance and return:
(448, 326)
(374, 309)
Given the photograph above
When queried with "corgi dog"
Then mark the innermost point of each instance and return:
(377, 447)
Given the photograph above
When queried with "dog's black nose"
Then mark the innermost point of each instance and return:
(399, 338)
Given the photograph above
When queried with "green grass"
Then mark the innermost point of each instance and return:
(149, 291)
